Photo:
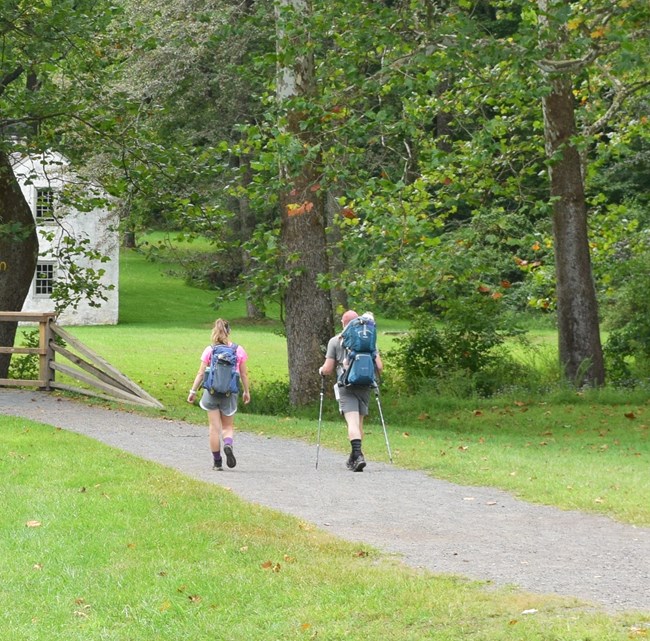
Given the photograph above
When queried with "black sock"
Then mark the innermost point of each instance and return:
(356, 448)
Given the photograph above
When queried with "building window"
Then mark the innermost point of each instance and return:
(44, 281)
(44, 203)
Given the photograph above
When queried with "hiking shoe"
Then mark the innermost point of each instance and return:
(358, 464)
(218, 466)
(231, 461)
(350, 462)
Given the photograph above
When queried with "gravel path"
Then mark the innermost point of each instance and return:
(477, 532)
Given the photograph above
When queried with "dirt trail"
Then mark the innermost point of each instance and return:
(477, 532)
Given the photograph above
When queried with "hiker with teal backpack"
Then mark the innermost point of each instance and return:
(354, 357)
(222, 369)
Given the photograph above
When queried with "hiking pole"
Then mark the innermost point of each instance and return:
(320, 416)
(383, 424)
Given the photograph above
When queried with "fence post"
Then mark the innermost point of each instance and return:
(46, 356)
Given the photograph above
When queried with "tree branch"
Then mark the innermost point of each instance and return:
(10, 77)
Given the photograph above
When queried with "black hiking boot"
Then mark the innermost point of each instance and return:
(218, 466)
(358, 464)
(231, 461)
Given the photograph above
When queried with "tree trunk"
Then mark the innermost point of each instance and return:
(336, 264)
(580, 349)
(309, 320)
(18, 253)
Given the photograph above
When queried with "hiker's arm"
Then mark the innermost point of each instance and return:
(196, 385)
(328, 367)
(379, 364)
(243, 374)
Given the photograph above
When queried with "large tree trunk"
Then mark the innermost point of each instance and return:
(580, 349)
(336, 263)
(309, 320)
(18, 253)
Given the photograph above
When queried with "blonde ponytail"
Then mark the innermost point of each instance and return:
(220, 332)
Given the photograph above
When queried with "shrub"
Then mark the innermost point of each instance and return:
(25, 366)
(627, 350)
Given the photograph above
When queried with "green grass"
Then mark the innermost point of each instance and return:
(99, 545)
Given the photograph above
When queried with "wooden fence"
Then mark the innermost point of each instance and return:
(90, 368)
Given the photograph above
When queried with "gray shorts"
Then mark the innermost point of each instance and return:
(226, 404)
(353, 399)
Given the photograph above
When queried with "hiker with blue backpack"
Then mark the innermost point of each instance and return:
(354, 357)
(222, 369)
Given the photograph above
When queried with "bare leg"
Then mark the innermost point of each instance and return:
(228, 426)
(355, 425)
(214, 422)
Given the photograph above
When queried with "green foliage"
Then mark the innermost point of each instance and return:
(270, 398)
(25, 366)
(627, 349)
(460, 357)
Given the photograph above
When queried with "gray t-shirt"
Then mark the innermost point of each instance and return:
(336, 351)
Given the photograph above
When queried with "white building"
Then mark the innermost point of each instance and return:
(43, 180)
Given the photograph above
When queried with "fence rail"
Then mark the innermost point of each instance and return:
(89, 368)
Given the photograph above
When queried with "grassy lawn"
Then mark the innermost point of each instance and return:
(115, 548)
(111, 547)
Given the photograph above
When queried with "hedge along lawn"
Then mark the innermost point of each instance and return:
(112, 547)
(587, 452)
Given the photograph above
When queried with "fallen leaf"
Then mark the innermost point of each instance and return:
(630, 415)
(361, 553)
(33, 524)
(194, 598)
(164, 606)
(405, 434)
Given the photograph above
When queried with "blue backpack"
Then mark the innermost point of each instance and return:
(222, 377)
(360, 342)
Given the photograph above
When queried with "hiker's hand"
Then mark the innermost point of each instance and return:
(191, 396)
(246, 397)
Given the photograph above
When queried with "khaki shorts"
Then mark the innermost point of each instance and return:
(353, 399)
(225, 403)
